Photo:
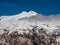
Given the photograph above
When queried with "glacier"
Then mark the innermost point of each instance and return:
(25, 21)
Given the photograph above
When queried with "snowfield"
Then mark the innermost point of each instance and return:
(27, 20)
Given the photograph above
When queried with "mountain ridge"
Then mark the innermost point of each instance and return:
(25, 20)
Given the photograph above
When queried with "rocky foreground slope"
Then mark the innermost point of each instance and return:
(35, 36)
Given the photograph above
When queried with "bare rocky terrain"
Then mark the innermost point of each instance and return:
(32, 38)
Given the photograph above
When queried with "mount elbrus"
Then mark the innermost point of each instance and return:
(30, 28)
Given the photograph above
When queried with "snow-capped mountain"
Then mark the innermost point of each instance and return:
(27, 20)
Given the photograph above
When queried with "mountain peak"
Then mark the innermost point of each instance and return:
(32, 12)
(27, 14)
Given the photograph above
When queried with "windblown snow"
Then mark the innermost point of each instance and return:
(27, 20)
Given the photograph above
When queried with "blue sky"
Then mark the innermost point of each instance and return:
(45, 7)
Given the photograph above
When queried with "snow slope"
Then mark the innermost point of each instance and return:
(27, 20)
